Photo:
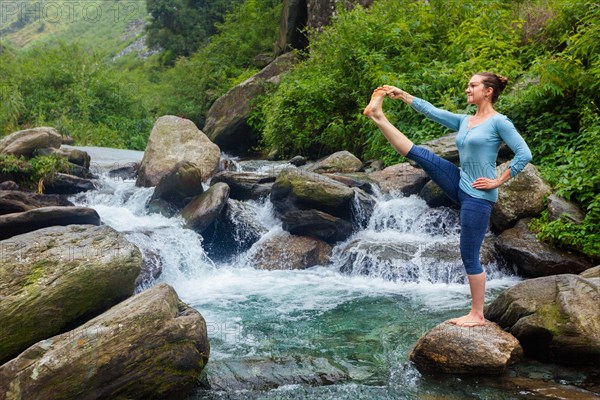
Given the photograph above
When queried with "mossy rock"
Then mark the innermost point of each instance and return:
(54, 278)
(149, 346)
(555, 317)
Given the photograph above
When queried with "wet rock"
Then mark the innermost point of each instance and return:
(149, 346)
(521, 197)
(172, 140)
(555, 317)
(226, 121)
(152, 266)
(204, 209)
(534, 258)
(67, 184)
(180, 185)
(591, 273)
(235, 230)
(539, 388)
(8, 185)
(481, 350)
(318, 224)
(53, 278)
(285, 251)
(436, 261)
(246, 185)
(25, 142)
(43, 217)
(300, 190)
(559, 208)
(298, 161)
(125, 172)
(434, 196)
(253, 373)
(355, 180)
(400, 177)
(372, 166)
(342, 161)
(14, 201)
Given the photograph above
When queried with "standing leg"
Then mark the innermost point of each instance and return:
(474, 219)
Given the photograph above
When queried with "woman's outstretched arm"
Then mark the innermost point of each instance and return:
(443, 117)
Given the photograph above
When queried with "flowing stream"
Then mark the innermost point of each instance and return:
(357, 314)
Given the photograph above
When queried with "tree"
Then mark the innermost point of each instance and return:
(180, 27)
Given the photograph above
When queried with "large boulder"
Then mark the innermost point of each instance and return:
(480, 350)
(203, 210)
(172, 140)
(14, 201)
(299, 190)
(180, 185)
(24, 143)
(285, 251)
(403, 178)
(38, 218)
(52, 278)
(341, 161)
(521, 197)
(246, 185)
(560, 208)
(318, 224)
(534, 258)
(151, 346)
(226, 121)
(555, 317)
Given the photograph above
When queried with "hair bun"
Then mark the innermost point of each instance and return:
(503, 82)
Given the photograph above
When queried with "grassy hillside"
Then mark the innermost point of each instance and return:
(105, 26)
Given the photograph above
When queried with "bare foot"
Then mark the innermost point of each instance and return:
(468, 320)
(373, 110)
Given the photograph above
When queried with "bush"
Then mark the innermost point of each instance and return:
(194, 84)
(74, 90)
(427, 48)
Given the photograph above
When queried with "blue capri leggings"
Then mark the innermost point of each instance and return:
(474, 213)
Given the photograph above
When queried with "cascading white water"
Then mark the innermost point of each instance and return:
(384, 280)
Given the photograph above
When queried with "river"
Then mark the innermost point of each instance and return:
(355, 314)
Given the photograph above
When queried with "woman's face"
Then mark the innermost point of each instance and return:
(476, 91)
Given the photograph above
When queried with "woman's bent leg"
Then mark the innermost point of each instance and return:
(445, 174)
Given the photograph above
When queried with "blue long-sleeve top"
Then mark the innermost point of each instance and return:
(478, 146)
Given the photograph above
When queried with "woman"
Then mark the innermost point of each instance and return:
(474, 185)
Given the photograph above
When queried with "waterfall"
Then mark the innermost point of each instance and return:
(396, 277)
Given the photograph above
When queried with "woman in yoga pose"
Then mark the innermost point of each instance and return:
(474, 185)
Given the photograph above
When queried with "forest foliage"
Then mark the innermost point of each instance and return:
(549, 50)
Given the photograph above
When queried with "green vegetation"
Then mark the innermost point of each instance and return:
(75, 91)
(549, 50)
(180, 27)
(105, 26)
(194, 84)
(34, 172)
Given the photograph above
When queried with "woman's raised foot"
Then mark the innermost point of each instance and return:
(374, 109)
